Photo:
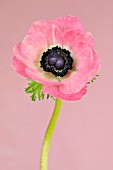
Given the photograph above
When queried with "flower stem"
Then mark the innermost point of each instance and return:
(48, 135)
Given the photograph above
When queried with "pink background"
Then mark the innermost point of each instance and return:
(83, 138)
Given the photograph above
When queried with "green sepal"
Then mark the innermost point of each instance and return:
(35, 89)
(92, 80)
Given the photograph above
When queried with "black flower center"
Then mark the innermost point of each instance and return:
(57, 61)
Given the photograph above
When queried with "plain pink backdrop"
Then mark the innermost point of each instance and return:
(83, 138)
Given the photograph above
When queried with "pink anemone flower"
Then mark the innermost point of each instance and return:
(60, 55)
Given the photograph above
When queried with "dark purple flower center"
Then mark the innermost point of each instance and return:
(57, 61)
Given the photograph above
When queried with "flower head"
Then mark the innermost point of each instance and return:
(60, 55)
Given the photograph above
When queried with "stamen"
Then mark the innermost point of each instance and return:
(57, 61)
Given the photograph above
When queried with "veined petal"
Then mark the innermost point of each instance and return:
(37, 76)
(33, 46)
(95, 67)
(75, 39)
(51, 31)
(56, 92)
(19, 56)
(80, 44)
(17, 51)
(56, 37)
(84, 60)
(74, 83)
(68, 22)
(18, 66)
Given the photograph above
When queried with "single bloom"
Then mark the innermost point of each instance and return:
(60, 55)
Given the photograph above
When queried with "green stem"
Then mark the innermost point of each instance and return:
(48, 136)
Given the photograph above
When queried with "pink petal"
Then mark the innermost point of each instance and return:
(84, 61)
(51, 31)
(68, 22)
(80, 44)
(74, 83)
(37, 76)
(77, 39)
(56, 92)
(95, 67)
(17, 51)
(18, 54)
(33, 47)
(18, 66)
